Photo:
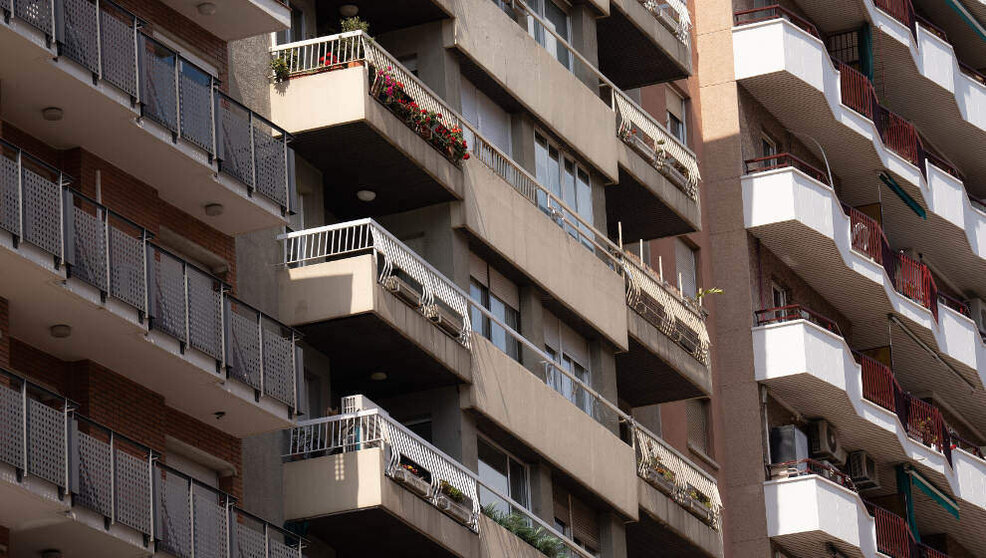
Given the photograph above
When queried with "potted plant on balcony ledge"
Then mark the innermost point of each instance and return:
(699, 505)
(454, 503)
(413, 477)
(540, 539)
(659, 476)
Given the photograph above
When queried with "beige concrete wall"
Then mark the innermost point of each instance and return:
(656, 32)
(520, 232)
(670, 352)
(519, 402)
(556, 96)
(668, 513)
(497, 542)
(663, 189)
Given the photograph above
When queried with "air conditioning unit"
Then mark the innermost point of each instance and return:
(356, 403)
(978, 308)
(862, 470)
(787, 443)
(823, 442)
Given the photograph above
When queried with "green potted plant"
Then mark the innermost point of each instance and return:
(454, 503)
(413, 477)
(700, 505)
(538, 537)
(659, 475)
(280, 69)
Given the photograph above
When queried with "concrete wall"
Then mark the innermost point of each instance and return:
(519, 402)
(553, 94)
(669, 513)
(641, 18)
(520, 232)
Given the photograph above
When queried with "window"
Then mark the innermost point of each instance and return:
(697, 414)
(768, 147)
(499, 295)
(567, 180)
(576, 520)
(421, 427)
(778, 295)
(487, 116)
(685, 264)
(571, 352)
(503, 472)
(676, 109)
(297, 30)
(557, 20)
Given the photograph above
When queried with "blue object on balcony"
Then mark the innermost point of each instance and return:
(911, 202)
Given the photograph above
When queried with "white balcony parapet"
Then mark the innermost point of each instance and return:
(116, 256)
(309, 56)
(121, 481)
(673, 14)
(333, 241)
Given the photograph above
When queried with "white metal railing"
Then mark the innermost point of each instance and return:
(374, 428)
(310, 245)
(665, 468)
(673, 14)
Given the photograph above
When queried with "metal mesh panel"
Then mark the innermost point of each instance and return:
(195, 90)
(46, 442)
(133, 497)
(90, 247)
(281, 550)
(249, 542)
(271, 180)
(205, 322)
(42, 221)
(244, 349)
(11, 431)
(9, 207)
(279, 366)
(176, 520)
(169, 295)
(79, 40)
(35, 12)
(157, 83)
(116, 34)
(95, 478)
(126, 268)
(235, 146)
(210, 523)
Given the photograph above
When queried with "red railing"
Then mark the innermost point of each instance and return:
(767, 13)
(965, 445)
(934, 29)
(867, 235)
(857, 90)
(954, 304)
(893, 536)
(784, 160)
(925, 551)
(942, 164)
(972, 72)
(925, 423)
(879, 384)
(804, 467)
(794, 312)
(898, 134)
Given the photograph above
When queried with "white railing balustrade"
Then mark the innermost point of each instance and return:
(673, 14)
(666, 469)
(116, 256)
(97, 469)
(399, 263)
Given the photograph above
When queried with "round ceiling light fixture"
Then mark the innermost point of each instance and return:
(52, 114)
(366, 195)
(348, 10)
(378, 376)
(206, 8)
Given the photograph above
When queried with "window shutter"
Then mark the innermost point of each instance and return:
(585, 527)
(697, 415)
(560, 496)
(685, 266)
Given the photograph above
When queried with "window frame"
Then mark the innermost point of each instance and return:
(570, 225)
(483, 438)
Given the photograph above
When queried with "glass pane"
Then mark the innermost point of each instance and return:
(498, 335)
(493, 473)
(584, 206)
(541, 168)
(480, 324)
(558, 22)
(568, 196)
(518, 483)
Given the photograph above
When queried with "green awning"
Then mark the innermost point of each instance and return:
(930, 490)
(911, 202)
(967, 17)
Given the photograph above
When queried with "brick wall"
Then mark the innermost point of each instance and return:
(128, 196)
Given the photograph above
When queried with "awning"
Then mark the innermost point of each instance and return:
(911, 202)
(930, 490)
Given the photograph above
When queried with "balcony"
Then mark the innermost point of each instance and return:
(348, 102)
(70, 483)
(801, 220)
(232, 21)
(363, 471)
(141, 106)
(69, 260)
(812, 369)
(354, 288)
(642, 42)
(837, 106)
(680, 504)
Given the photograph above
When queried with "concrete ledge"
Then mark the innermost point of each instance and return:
(676, 519)
(657, 55)
(499, 216)
(520, 403)
(505, 51)
(682, 213)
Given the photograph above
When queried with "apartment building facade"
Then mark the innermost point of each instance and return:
(844, 225)
(269, 289)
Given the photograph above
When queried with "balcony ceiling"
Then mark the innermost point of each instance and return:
(968, 44)
(646, 535)
(374, 532)
(355, 157)
(387, 15)
(631, 58)
(642, 213)
(644, 378)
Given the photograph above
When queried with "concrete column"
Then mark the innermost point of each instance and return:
(532, 328)
(469, 434)
(522, 138)
(612, 536)
(584, 40)
(542, 501)
(602, 364)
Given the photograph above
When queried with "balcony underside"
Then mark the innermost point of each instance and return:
(386, 15)
(967, 42)
(665, 525)
(237, 19)
(111, 334)
(811, 544)
(857, 155)
(647, 204)
(101, 120)
(374, 532)
(656, 369)
(807, 515)
(635, 49)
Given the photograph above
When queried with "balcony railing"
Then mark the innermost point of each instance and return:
(776, 11)
(107, 40)
(673, 14)
(666, 152)
(664, 468)
(785, 160)
(803, 467)
(116, 256)
(794, 312)
(43, 436)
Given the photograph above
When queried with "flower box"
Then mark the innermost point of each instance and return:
(660, 482)
(459, 511)
(402, 290)
(445, 319)
(412, 482)
(698, 509)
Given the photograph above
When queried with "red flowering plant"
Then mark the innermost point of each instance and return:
(388, 87)
(329, 59)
